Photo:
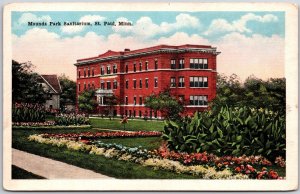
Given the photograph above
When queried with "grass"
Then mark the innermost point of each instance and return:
(132, 125)
(100, 164)
(19, 173)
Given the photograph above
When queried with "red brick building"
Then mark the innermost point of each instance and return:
(188, 70)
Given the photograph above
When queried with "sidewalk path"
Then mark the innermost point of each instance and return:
(51, 169)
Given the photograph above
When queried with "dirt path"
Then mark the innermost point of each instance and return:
(51, 169)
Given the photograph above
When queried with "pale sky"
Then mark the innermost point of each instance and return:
(251, 43)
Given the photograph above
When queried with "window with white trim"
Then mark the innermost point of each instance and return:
(181, 64)
(134, 67)
(134, 83)
(126, 100)
(102, 70)
(173, 64)
(155, 64)
(173, 82)
(115, 84)
(108, 69)
(115, 69)
(126, 84)
(108, 85)
(146, 83)
(141, 100)
(141, 83)
(78, 73)
(181, 82)
(140, 65)
(93, 72)
(155, 82)
(146, 65)
(79, 87)
(134, 100)
(102, 85)
(198, 100)
(198, 63)
(198, 82)
(126, 68)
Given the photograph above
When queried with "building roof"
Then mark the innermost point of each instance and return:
(127, 53)
(53, 82)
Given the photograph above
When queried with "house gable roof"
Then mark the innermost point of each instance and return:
(53, 82)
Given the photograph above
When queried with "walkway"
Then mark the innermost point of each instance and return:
(51, 169)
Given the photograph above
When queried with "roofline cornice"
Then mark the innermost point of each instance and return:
(212, 50)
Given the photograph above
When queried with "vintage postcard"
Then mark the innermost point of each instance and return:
(150, 96)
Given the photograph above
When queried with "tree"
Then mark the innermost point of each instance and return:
(68, 87)
(25, 85)
(111, 102)
(168, 105)
(86, 101)
(254, 93)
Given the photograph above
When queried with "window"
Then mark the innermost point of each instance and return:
(198, 64)
(146, 65)
(115, 70)
(84, 86)
(134, 100)
(126, 84)
(146, 83)
(140, 66)
(79, 73)
(126, 68)
(102, 70)
(134, 67)
(141, 100)
(89, 72)
(141, 84)
(93, 72)
(126, 100)
(115, 86)
(181, 82)
(155, 64)
(93, 85)
(88, 85)
(134, 113)
(108, 70)
(198, 100)
(134, 83)
(102, 85)
(173, 64)
(155, 82)
(198, 82)
(78, 87)
(84, 73)
(140, 113)
(181, 64)
(108, 85)
(173, 82)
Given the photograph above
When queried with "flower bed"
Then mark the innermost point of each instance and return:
(92, 136)
(34, 124)
(203, 165)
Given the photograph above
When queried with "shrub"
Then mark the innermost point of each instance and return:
(25, 112)
(71, 119)
(233, 131)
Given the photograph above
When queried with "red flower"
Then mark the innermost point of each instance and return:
(237, 169)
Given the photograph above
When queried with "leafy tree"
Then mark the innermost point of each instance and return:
(254, 92)
(111, 102)
(25, 85)
(164, 102)
(87, 102)
(68, 87)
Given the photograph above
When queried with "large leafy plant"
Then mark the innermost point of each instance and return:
(233, 131)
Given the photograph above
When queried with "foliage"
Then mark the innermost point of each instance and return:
(86, 101)
(111, 102)
(164, 102)
(25, 85)
(71, 119)
(254, 93)
(24, 112)
(68, 95)
(233, 131)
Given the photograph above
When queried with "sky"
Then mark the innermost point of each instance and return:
(251, 43)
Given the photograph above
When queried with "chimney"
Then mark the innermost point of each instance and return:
(127, 49)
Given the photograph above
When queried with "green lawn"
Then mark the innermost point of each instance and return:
(109, 167)
(132, 125)
(18, 173)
